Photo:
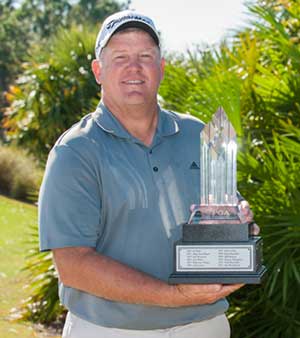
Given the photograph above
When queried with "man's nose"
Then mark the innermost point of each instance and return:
(135, 62)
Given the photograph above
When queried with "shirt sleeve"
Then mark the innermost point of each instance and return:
(69, 201)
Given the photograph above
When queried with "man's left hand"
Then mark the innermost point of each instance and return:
(246, 216)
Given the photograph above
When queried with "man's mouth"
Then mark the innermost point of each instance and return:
(133, 82)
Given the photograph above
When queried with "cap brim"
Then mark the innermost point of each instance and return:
(141, 25)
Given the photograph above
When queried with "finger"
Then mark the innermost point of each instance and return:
(244, 205)
(216, 288)
(249, 217)
(233, 286)
(254, 229)
(200, 288)
(228, 289)
(246, 210)
(208, 288)
(246, 214)
(224, 292)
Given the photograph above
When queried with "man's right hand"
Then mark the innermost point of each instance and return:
(193, 294)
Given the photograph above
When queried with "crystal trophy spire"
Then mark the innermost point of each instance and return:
(218, 162)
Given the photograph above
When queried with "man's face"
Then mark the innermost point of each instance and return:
(130, 69)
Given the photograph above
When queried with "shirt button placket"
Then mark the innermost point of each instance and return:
(154, 167)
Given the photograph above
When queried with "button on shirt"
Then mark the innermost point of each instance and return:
(105, 189)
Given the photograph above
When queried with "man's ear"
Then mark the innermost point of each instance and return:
(96, 68)
(162, 68)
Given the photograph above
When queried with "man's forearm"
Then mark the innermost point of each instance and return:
(86, 270)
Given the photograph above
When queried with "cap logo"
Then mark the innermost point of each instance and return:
(111, 24)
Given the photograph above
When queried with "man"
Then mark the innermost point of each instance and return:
(117, 186)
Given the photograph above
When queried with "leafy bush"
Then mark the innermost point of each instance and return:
(19, 174)
(43, 305)
(56, 89)
(25, 23)
(203, 82)
(270, 178)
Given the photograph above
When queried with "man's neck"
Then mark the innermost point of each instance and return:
(139, 120)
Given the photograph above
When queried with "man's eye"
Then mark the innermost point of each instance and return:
(146, 55)
(120, 57)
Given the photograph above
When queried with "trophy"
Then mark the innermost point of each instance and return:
(216, 246)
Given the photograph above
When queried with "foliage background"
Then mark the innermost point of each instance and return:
(255, 77)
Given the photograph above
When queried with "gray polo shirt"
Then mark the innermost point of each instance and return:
(103, 188)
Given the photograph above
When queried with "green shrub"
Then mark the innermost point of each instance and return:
(55, 90)
(19, 174)
(270, 181)
(43, 306)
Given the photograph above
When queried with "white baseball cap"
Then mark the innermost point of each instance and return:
(121, 20)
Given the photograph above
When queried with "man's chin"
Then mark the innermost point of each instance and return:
(138, 99)
(135, 100)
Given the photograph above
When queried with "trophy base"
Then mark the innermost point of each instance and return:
(218, 262)
(219, 278)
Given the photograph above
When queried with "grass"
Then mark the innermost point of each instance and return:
(15, 221)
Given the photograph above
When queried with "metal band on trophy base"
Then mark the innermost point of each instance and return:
(216, 246)
(215, 232)
(228, 278)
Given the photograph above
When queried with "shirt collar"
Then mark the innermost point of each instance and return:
(167, 124)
